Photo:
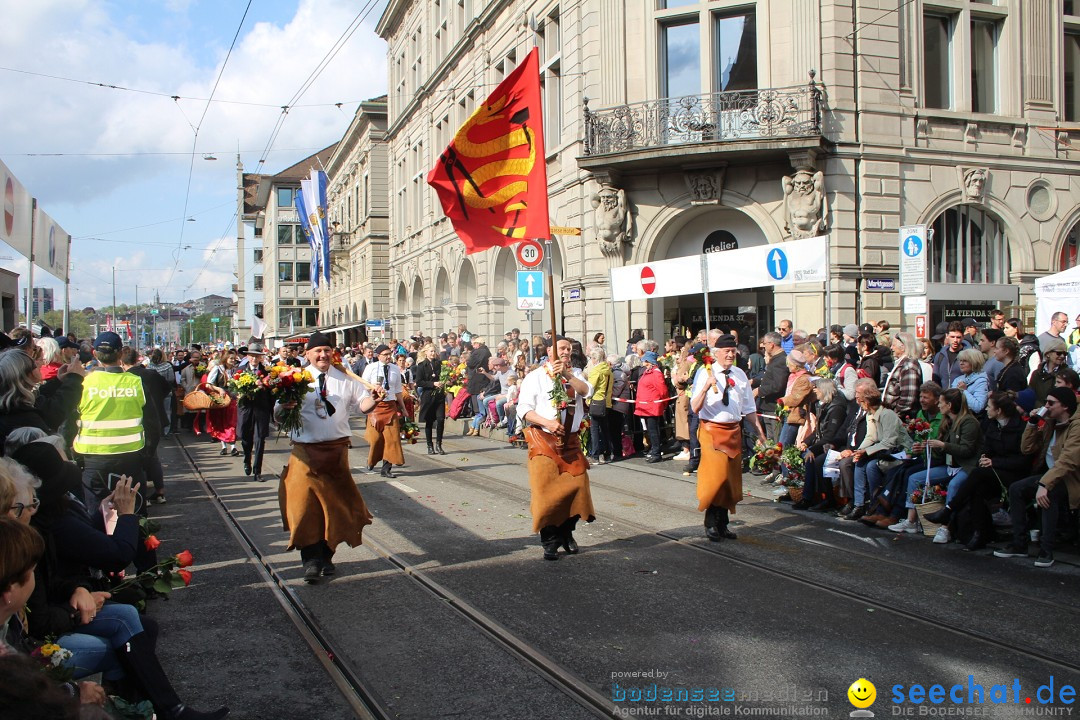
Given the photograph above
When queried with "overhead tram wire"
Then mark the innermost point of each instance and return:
(141, 154)
(155, 93)
(315, 73)
(195, 140)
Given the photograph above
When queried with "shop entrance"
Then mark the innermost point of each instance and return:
(748, 312)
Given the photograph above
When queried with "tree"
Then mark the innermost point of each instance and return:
(89, 311)
(77, 323)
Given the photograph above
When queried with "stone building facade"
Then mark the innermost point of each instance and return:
(280, 257)
(734, 123)
(359, 222)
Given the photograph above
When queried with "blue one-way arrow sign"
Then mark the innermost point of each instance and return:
(530, 290)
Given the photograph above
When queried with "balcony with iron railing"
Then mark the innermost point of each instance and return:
(676, 130)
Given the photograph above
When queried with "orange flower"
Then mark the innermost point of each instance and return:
(186, 575)
(152, 542)
(185, 559)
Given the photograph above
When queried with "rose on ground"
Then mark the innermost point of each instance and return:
(152, 542)
(184, 559)
(185, 575)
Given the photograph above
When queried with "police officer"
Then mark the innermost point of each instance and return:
(117, 422)
(253, 416)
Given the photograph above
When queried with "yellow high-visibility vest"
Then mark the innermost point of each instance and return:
(111, 414)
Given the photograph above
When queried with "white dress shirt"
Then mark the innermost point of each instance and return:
(375, 374)
(344, 394)
(535, 396)
(740, 397)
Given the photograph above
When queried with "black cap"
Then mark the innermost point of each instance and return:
(66, 344)
(866, 329)
(444, 336)
(1065, 396)
(969, 322)
(941, 330)
(381, 349)
(108, 341)
(725, 341)
(318, 340)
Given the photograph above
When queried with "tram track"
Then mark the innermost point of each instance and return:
(695, 545)
(364, 700)
(877, 558)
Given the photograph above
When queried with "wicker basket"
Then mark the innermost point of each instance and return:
(197, 400)
(929, 529)
(795, 493)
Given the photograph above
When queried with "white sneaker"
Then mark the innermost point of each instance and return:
(684, 455)
(942, 536)
(906, 526)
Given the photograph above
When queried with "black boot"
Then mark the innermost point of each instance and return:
(387, 470)
(438, 448)
(941, 517)
(566, 533)
(430, 448)
(551, 540)
(711, 530)
(142, 665)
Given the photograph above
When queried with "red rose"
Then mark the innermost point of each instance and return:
(184, 559)
(152, 542)
(185, 575)
(731, 382)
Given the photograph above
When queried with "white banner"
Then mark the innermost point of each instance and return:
(785, 263)
(50, 246)
(663, 278)
(15, 224)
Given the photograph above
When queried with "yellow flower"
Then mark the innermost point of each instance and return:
(49, 648)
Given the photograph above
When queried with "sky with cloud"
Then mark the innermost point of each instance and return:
(123, 170)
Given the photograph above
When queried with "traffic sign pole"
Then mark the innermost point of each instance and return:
(551, 297)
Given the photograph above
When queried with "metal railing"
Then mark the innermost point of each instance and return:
(724, 116)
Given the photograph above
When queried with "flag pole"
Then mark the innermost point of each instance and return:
(551, 296)
(705, 293)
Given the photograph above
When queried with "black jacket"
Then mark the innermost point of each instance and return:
(428, 373)
(773, 384)
(1013, 377)
(58, 399)
(479, 358)
(831, 425)
(1002, 445)
(25, 416)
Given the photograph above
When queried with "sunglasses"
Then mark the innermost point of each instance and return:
(32, 507)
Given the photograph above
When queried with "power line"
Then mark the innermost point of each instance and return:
(141, 154)
(171, 96)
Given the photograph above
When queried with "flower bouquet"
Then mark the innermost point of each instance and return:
(791, 459)
(666, 362)
(51, 658)
(919, 430)
(453, 378)
(244, 385)
(161, 579)
(289, 385)
(200, 370)
(782, 411)
(560, 399)
(765, 458)
(410, 431)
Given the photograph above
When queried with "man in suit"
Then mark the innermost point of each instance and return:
(253, 415)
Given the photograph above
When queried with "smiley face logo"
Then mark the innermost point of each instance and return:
(862, 693)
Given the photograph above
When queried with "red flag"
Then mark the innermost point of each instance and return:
(492, 178)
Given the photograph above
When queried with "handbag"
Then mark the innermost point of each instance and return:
(597, 408)
(457, 406)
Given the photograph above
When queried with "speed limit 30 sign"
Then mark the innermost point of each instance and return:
(530, 253)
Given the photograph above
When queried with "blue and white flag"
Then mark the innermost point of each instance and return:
(309, 234)
(318, 186)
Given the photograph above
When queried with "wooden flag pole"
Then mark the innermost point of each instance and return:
(551, 297)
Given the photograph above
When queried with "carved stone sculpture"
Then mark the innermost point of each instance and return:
(806, 209)
(705, 186)
(611, 219)
(975, 184)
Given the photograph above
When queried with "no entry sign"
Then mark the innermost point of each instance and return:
(648, 280)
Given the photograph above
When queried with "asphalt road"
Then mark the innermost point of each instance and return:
(776, 624)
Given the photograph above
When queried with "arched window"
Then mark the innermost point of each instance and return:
(1069, 249)
(969, 246)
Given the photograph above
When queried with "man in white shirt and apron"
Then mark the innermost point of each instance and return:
(558, 470)
(383, 434)
(320, 503)
(722, 398)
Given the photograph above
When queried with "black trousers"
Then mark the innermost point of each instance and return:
(318, 551)
(1021, 493)
(435, 420)
(253, 422)
(652, 427)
